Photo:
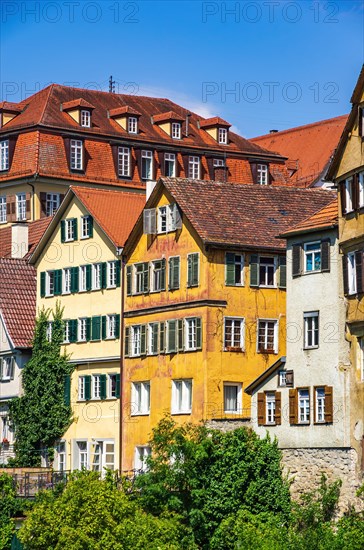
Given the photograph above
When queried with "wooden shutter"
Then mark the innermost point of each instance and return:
(43, 204)
(176, 217)
(138, 161)
(149, 221)
(127, 342)
(103, 275)
(161, 163)
(329, 404)
(102, 386)
(261, 409)
(27, 206)
(325, 255)
(192, 266)
(343, 197)
(129, 280)
(185, 159)
(67, 390)
(293, 406)
(345, 274)
(91, 226)
(143, 339)
(103, 327)
(254, 270)
(171, 336)
(73, 323)
(163, 274)
(278, 408)
(180, 334)
(173, 277)
(42, 284)
(63, 231)
(198, 333)
(289, 378)
(96, 328)
(117, 386)
(87, 387)
(210, 167)
(118, 272)
(57, 282)
(75, 232)
(355, 192)
(282, 278)
(229, 268)
(11, 208)
(145, 277)
(162, 339)
(74, 279)
(115, 158)
(296, 260)
(253, 167)
(359, 271)
(117, 326)
(88, 329)
(88, 276)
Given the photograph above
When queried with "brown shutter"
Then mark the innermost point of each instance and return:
(177, 165)
(343, 197)
(27, 206)
(161, 163)
(261, 409)
(185, 164)
(278, 407)
(296, 260)
(67, 148)
(355, 192)
(115, 155)
(10, 208)
(12, 145)
(253, 167)
(325, 255)
(329, 404)
(43, 204)
(360, 121)
(270, 177)
(211, 169)
(138, 162)
(345, 274)
(293, 407)
(359, 271)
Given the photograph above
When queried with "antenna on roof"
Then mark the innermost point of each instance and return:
(111, 85)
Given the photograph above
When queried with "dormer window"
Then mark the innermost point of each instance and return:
(170, 123)
(126, 117)
(223, 136)
(132, 125)
(80, 110)
(262, 174)
(4, 155)
(217, 128)
(86, 119)
(76, 154)
(176, 130)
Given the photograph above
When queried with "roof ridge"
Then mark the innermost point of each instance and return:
(303, 126)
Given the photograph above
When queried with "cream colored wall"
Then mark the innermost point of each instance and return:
(75, 115)
(212, 132)
(353, 156)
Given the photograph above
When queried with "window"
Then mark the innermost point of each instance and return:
(158, 275)
(112, 328)
(320, 404)
(303, 406)
(81, 388)
(176, 130)
(219, 163)
(6, 368)
(69, 229)
(66, 337)
(140, 398)
(111, 274)
(82, 329)
(351, 265)
(21, 207)
(66, 280)
(135, 340)
(96, 276)
(86, 227)
(222, 136)
(147, 165)
(193, 269)
(174, 273)
(361, 189)
(140, 458)
(124, 162)
(234, 266)
(96, 386)
(312, 256)
(285, 378)
(85, 119)
(52, 203)
(61, 455)
(181, 396)
(132, 125)
(232, 398)
(192, 333)
(311, 328)
(169, 218)
(141, 277)
(170, 165)
(83, 278)
(3, 217)
(267, 270)
(194, 167)
(49, 331)
(4, 155)
(114, 385)
(262, 174)
(267, 336)
(162, 219)
(153, 332)
(82, 455)
(270, 404)
(233, 334)
(76, 154)
(49, 283)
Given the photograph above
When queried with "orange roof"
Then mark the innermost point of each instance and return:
(308, 148)
(215, 121)
(325, 218)
(123, 111)
(9, 107)
(115, 212)
(36, 230)
(76, 103)
(171, 115)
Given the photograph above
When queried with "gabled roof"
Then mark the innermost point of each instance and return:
(18, 300)
(9, 107)
(244, 216)
(326, 218)
(215, 121)
(171, 115)
(76, 103)
(36, 230)
(115, 212)
(125, 110)
(309, 148)
(266, 374)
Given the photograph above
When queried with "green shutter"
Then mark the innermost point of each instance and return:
(102, 386)
(171, 340)
(72, 323)
(103, 324)
(57, 282)
(118, 270)
(229, 268)
(254, 270)
(154, 339)
(75, 232)
(192, 264)
(173, 273)
(88, 329)
(198, 333)
(87, 388)
(145, 277)
(127, 341)
(162, 339)
(91, 226)
(117, 386)
(143, 339)
(96, 328)
(63, 231)
(129, 281)
(282, 281)
(117, 326)
(67, 390)
(163, 274)
(180, 335)
(103, 274)
(74, 279)
(42, 284)
(88, 276)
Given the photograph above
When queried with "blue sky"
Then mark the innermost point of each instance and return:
(258, 64)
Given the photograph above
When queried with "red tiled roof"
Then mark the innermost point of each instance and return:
(243, 215)
(325, 218)
(76, 103)
(123, 111)
(171, 115)
(215, 121)
(9, 107)
(18, 299)
(115, 212)
(308, 148)
(36, 230)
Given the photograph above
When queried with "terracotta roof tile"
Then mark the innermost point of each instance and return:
(215, 121)
(18, 299)
(171, 115)
(308, 148)
(9, 107)
(243, 215)
(36, 230)
(76, 103)
(122, 111)
(326, 217)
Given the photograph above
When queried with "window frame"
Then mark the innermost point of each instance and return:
(85, 118)
(194, 167)
(96, 386)
(240, 262)
(3, 211)
(179, 398)
(317, 400)
(314, 329)
(21, 207)
(222, 136)
(66, 280)
(53, 201)
(231, 347)
(111, 274)
(176, 130)
(49, 287)
(86, 224)
(69, 230)
(267, 266)
(262, 174)
(140, 396)
(275, 336)
(76, 155)
(239, 394)
(4, 155)
(82, 329)
(147, 155)
(96, 276)
(124, 162)
(305, 401)
(270, 399)
(132, 125)
(141, 461)
(170, 158)
(351, 266)
(306, 253)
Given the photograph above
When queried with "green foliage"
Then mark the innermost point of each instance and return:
(40, 416)
(206, 475)
(94, 514)
(10, 506)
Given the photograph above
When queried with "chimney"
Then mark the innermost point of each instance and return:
(19, 240)
(273, 131)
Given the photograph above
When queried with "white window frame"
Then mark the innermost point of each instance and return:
(61, 456)
(270, 407)
(312, 253)
(66, 280)
(349, 194)
(111, 274)
(222, 136)
(219, 163)
(85, 118)
(162, 219)
(311, 322)
(49, 283)
(111, 326)
(190, 336)
(176, 130)
(66, 338)
(142, 452)
(282, 378)
(49, 331)
(4, 155)
(319, 405)
(135, 340)
(53, 201)
(132, 125)
(303, 406)
(124, 162)
(275, 334)
(170, 158)
(82, 329)
(112, 391)
(83, 455)
(239, 401)
(81, 388)
(155, 276)
(85, 227)
(262, 174)
(21, 207)
(76, 159)
(96, 386)
(3, 213)
(361, 189)
(82, 278)
(150, 349)
(147, 161)
(7, 368)
(181, 396)
(194, 167)
(241, 343)
(96, 276)
(352, 287)
(140, 398)
(268, 266)
(69, 230)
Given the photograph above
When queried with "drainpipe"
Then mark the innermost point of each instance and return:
(121, 398)
(33, 197)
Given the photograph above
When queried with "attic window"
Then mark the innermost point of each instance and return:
(176, 130)
(132, 125)
(223, 136)
(86, 118)
(4, 154)
(262, 174)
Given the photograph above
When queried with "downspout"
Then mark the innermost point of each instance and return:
(121, 398)
(33, 195)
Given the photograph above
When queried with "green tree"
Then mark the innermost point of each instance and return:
(206, 476)
(41, 415)
(10, 506)
(94, 514)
